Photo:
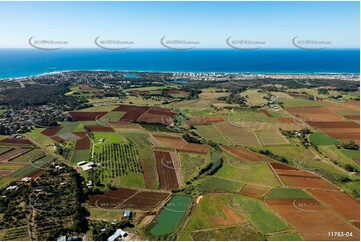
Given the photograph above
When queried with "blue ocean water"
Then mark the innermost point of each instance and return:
(25, 62)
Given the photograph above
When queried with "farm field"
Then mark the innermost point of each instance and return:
(294, 177)
(243, 232)
(237, 135)
(300, 102)
(191, 164)
(216, 184)
(271, 137)
(180, 145)
(210, 132)
(167, 169)
(291, 236)
(221, 216)
(311, 219)
(171, 215)
(192, 161)
(319, 139)
(255, 173)
(252, 190)
(125, 198)
(340, 202)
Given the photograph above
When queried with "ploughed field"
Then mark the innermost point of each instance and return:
(125, 198)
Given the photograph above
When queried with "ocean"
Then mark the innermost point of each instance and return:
(25, 62)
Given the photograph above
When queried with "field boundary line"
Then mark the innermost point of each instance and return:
(274, 172)
(224, 136)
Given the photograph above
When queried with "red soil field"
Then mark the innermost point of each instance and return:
(181, 145)
(128, 198)
(127, 108)
(51, 131)
(37, 174)
(57, 139)
(139, 93)
(282, 166)
(265, 112)
(340, 202)
(196, 120)
(214, 119)
(15, 141)
(311, 219)
(99, 128)
(252, 190)
(166, 170)
(152, 118)
(315, 114)
(161, 111)
(83, 143)
(86, 116)
(145, 200)
(205, 120)
(333, 125)
(133, 116)
(353, 116)
(302, 182)
(87, 88)
(294, 177)
(11, 154)
(297, 173)
(285, 120)
(147, 179)
(244, 154)
(293, 94)
(6, 172)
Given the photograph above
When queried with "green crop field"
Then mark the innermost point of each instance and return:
(300, 102)
(11, 166)
(243, 232)
(36, 135)
(271, 137)
(252, 115)
(215, 184)
(352, 154)
(119, 164)
(319, 139)
(210, 132)
(191, 164)
(109, 137)
(171, 215)
(286, 193)
(33, 167)
(80, 155)
(262, 217)
(257, 173)
(5, 149)
(29, 156)
(202, 218)
(291, 236)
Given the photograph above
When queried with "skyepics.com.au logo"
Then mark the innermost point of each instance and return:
(310, 44)
(113, 44)
(308, 205)
(178, 44)
(245, 44)
(170, 164)
(243, 165)
(47, 44)
(246, 206)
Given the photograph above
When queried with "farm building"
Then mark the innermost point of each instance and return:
(127, 214)
(118, 235)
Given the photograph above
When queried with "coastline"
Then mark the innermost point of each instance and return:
(179, 72)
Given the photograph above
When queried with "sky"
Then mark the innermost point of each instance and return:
(209, 23)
